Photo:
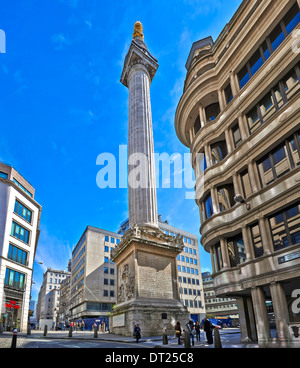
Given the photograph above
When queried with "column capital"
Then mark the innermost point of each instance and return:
(137, 54)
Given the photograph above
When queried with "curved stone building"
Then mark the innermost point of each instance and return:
(240, 109)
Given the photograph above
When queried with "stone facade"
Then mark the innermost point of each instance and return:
(240, 110)
(147, 289)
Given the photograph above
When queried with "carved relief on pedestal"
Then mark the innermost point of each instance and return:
(126, 288)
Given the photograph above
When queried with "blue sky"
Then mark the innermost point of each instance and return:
(62, 104)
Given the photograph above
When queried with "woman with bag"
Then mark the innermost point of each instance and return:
(178, 332)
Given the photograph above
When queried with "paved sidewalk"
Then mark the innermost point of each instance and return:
(155, 341)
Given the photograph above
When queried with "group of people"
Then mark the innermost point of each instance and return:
(194, 331)
(78, 326)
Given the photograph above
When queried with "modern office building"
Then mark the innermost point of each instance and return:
(218, 307)
(92, 282)
(49, 297)
(19, 234)
(240, 109)
(188, 269)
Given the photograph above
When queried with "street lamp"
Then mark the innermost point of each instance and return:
(240, 199)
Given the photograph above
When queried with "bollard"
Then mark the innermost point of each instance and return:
(70, 331)
(187, 341)
(165, 339)
(28, 329)
(217, 339)
(14, 339)
(95, 332)
(45, 330)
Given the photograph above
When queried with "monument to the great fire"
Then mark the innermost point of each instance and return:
(147, 289)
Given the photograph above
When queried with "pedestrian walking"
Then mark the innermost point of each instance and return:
(178, 332)
(137, 332)
(191, 330)
(207, 326)
(197, 328)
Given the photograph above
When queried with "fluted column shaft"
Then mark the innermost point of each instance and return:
(141, 161)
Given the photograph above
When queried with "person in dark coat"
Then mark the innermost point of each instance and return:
(190, 326)
(207, 326)
(178, 332)
(137, 332)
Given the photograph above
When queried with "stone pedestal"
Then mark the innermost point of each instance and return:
(147, 289)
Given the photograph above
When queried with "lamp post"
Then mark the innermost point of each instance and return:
(240, 199)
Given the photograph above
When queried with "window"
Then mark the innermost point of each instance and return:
(256, 239)
(106, 238)
(212, 111)
(208, 207)
(19, 232)
(3, 175)
(23, 211)
(218, 257)
(228, 94)
(285, 227)
(236, 250)
(197, 125)
(267, 106)
(236, 134)
(291, 84)
(105, 281)
(255, 62)
(244, 76)
(105, 292)
(276, 37)
(16, 254)
(22, 187)
(292, 18)
(106, 259)
(226, 197)
(219, 152)
(275, 164)
(253, 119)
(14, 279)
(112, 240)
(246, 185)
(106, 248)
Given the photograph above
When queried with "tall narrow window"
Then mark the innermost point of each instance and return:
(228, 93)
(226, 197)
(236, 250)
(219, 152)
(208, 207)
(256, 239)
(236, 133)
(255, 62)
(276, 37)
(197, 125)
(212, 111)
(246, 185)
(244, 76)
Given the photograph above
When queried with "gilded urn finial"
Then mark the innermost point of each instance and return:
(138, 30)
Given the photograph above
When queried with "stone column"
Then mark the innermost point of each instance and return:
(141, 161)
(224, 251)
(202, 116)
(264, 235)
(261, 314)
(247, 320)
(280, 311)
(248, 248)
